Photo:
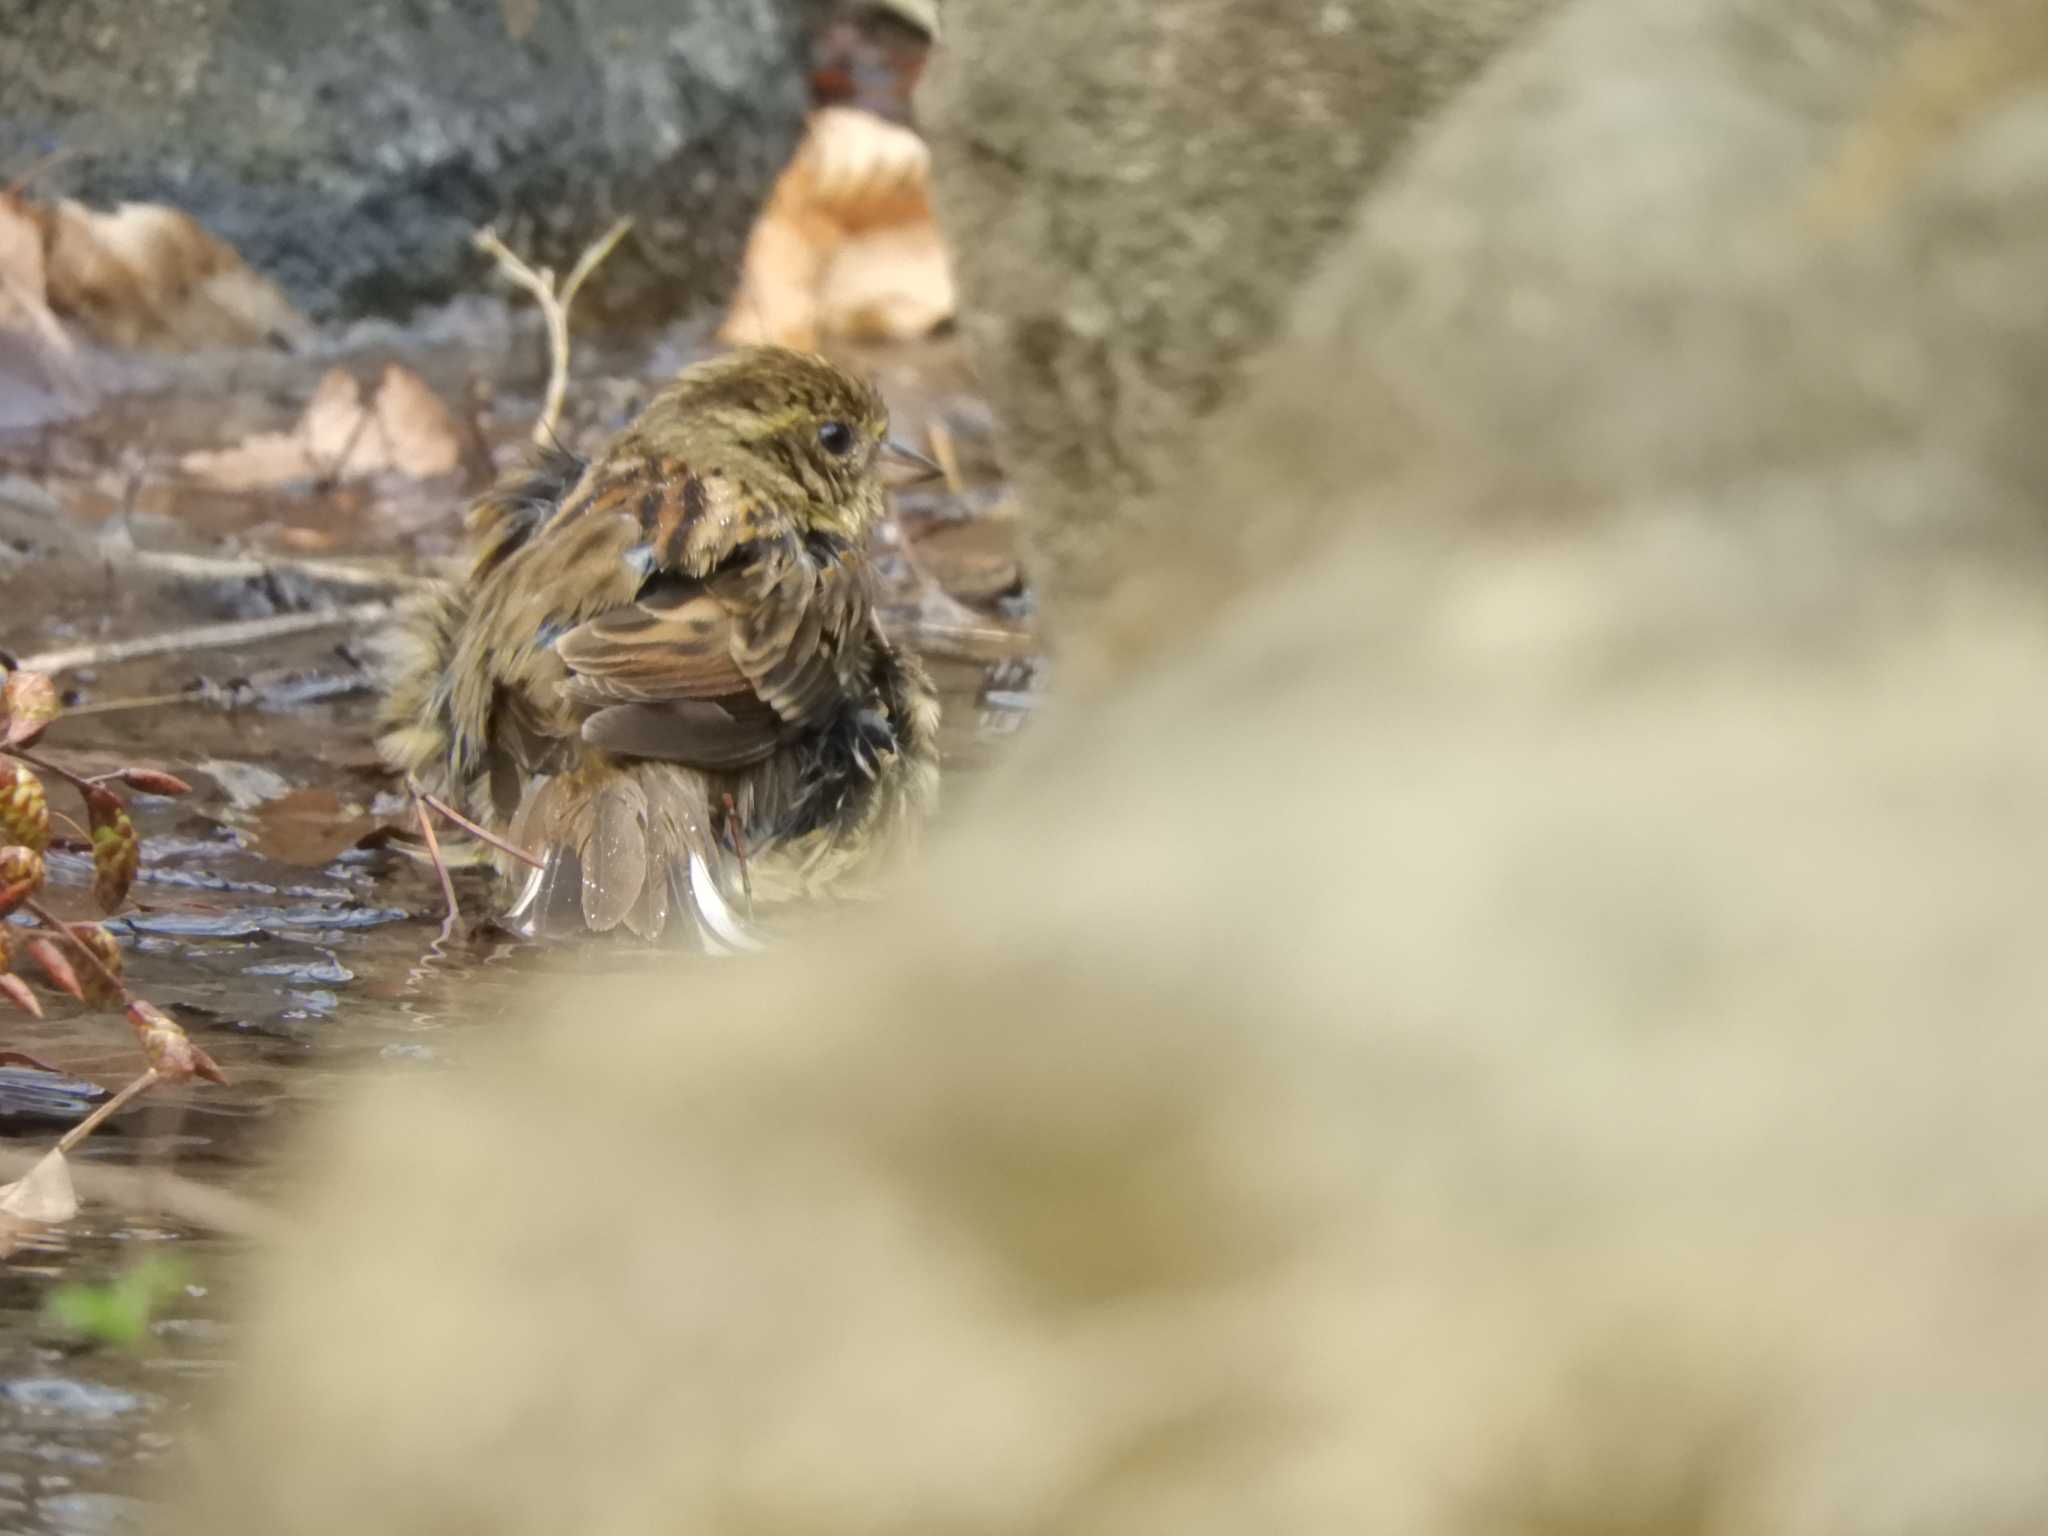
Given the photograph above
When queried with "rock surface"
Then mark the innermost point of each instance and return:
(348, 151)
(1136, 189)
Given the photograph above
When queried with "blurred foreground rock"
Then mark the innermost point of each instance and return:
(1522, 1014)
(1138, 188)
(348, 151)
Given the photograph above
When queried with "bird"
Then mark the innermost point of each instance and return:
(664, 676)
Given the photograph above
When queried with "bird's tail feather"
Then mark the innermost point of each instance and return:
(638, 850)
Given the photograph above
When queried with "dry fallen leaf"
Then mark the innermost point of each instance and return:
(47, 350)
(21, 262)
(777, 303)
(847, 244)
(403, 428)
(310, 826)
(862, 169)
(143, 275)
(28, 703)
(419, 433)
(894, 283)
(972, 561)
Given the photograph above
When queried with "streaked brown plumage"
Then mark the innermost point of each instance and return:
(687, 616)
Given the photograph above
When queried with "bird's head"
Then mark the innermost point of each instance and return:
(780, 417)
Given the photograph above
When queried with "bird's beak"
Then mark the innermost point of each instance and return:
(923, 469)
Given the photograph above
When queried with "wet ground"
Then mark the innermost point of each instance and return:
(277, 916)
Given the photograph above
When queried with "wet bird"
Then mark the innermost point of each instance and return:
(664, 675)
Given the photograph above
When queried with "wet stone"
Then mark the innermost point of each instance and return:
(72, 1399)
(92, 1513)
(329, 970)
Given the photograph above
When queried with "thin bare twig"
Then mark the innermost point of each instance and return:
(482, 834)
(419, 806)
(92, 1122)
(587, 263)
(143, 701)
(554, 305)
(43, 166)
(216, 636)
(968, 642)
(739, 846)
(56, 770)
(330, 477)
(60, 354)
(331, 573)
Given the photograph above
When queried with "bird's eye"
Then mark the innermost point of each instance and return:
(837, 437)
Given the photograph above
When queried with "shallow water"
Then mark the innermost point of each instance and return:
(299, 962)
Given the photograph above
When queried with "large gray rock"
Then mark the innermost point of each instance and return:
(350, 150)
(1137, 187)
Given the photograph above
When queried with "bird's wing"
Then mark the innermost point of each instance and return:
(717, 672)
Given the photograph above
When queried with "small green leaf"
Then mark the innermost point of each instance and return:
(117, 1313)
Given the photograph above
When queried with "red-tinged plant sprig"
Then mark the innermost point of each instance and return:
(55, 967)
(152, 781)
(116, 850)
(12, 987)
(102, 983)
(21, 876)
(24, 807)
(169, 1049)
(28, 704)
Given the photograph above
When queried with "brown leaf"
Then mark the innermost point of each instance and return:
(420, 436)
(21, 876)
(104, 990)
(169, 1049)
(21, 251)
(777, 302)
(35, 349)
(847, 244)
(403, 428)
(143, 275)
(116, 850)
(56, 966)
(310, 826)
(975, 562)
(24, 808)
(28, 703)
(893, 283)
